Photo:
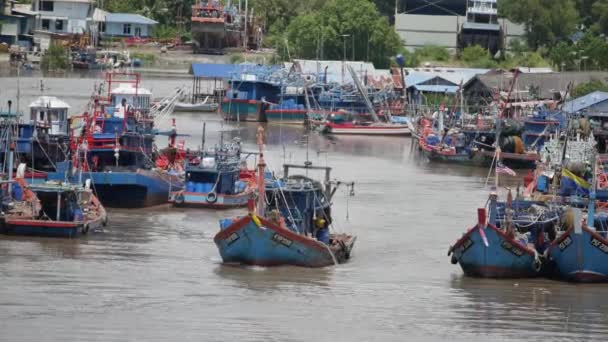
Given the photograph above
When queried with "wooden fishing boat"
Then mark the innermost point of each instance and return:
(217, 178)
(506, 246)
(580, 253)
(51, 209)
(348, 124)
(116, 147)
(290, 225)
(204, 106)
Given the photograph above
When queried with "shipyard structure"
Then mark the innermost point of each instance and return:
(455, 24)
(218, 25)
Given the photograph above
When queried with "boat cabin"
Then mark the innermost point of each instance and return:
(218, 171)
(61, 202)
(51, 113)
(129, 97)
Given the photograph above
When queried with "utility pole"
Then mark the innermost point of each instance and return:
(353, 39)
(344, 36)
(246, 19)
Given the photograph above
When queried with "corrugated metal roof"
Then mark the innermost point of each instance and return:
(230, 71)
(336, 70)
(547, 84)
(584, 102)
(129, 18)
(437, 88)
(454, 75)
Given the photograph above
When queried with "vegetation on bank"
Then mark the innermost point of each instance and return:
(564, 34)
(56, 58)
(589, 87)
(334, 29)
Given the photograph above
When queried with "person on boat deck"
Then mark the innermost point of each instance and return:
(123, 109)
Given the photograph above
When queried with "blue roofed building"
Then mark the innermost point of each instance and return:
(592, 103)
(127, 25)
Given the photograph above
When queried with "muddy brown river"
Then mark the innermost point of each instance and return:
(155, 274)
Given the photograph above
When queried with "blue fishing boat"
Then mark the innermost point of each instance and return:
(580, 253)
(511, 244)
(289, 226)
(251, 92)
(51, 209)
(41, 140)
(48, 209)
(116, 148)
(217, 178)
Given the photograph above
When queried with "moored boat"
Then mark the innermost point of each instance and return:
(116, 148)
(580, 253)
(510, 245)
(289, 225)
(217, 178)
(51, 209)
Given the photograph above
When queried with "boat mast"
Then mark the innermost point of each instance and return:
(363, 92)
(11, 149)
(260, 208)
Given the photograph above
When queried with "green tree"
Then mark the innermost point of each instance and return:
(589, 87)
(336, 28)
(599, 16)
(476, 56)
(432, 53)
(547, 21)
(55, 58)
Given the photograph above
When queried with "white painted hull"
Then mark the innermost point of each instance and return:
(197, 107)
(371, 131)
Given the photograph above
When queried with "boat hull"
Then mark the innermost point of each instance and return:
(202, 200)
(458, 158)
(390, 130)
(286, 116)
(503, 257)
(580, 257)
(142, 188)
(20, 226)
(200, 107)
(241, 110)
(244, 242)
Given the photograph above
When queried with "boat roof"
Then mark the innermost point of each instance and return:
(130, 89)
(54, 187)
(49, 102)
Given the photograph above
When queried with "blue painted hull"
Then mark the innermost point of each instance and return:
(581, 257)
(502, 258)
(244, 242)
(201, 200)
(462, 158)
(142, 188)
(34, 230)
(286, 116)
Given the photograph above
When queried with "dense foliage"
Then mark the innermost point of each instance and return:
(333, 29)
(571, 33)
(589, 87)
(55, 58)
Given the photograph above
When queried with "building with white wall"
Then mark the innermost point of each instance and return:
(63, 16)
(451, 23)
